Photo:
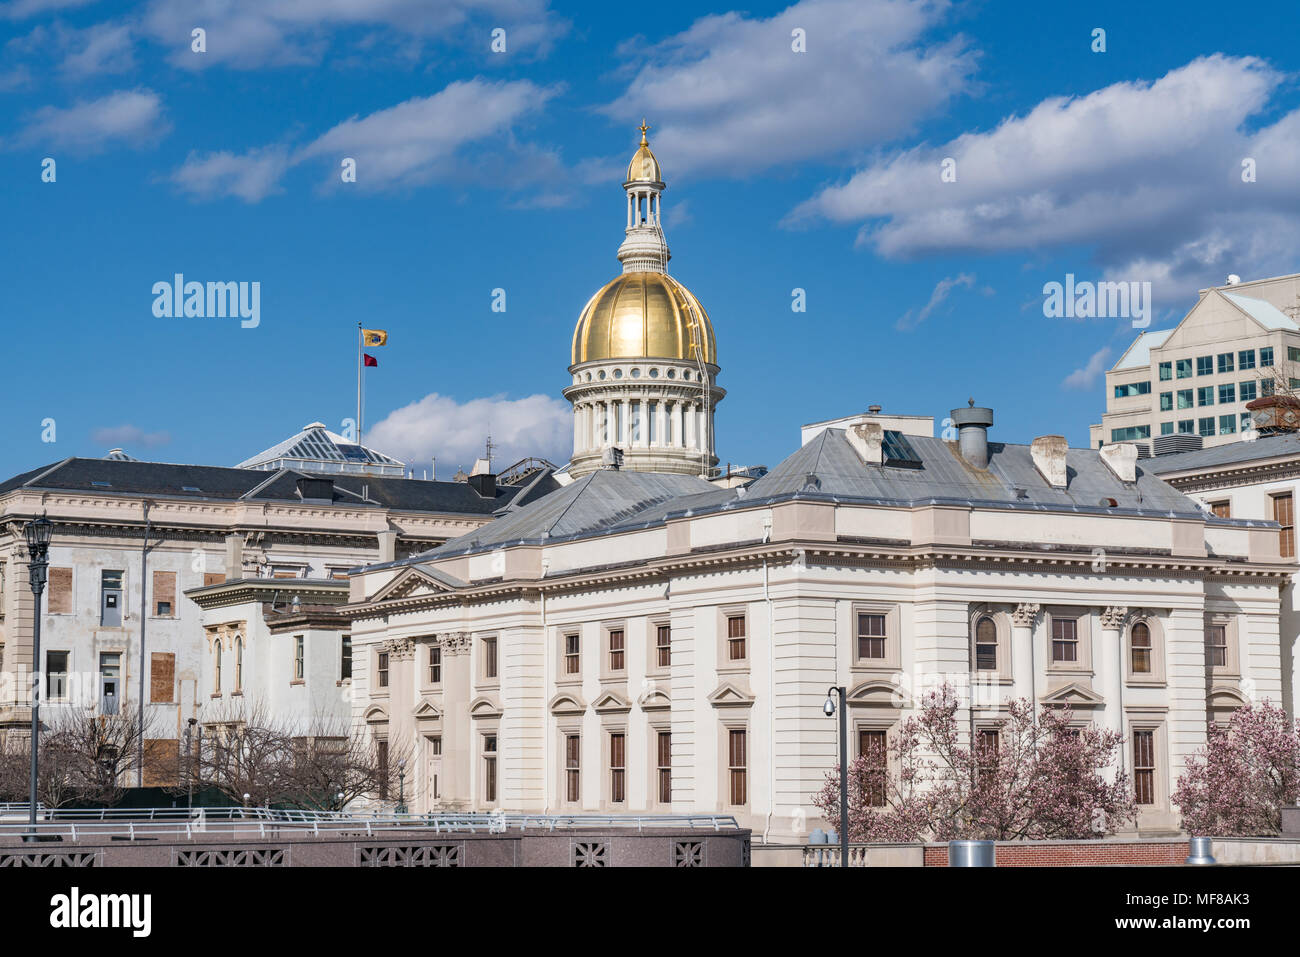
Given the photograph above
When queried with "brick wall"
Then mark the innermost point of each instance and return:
(1075, 854)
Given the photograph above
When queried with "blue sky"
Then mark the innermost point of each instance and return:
(479, 170)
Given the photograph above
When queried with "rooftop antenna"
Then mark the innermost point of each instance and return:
(488, 450)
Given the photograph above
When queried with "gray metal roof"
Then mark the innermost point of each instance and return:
(827, 468)
(1231, 453)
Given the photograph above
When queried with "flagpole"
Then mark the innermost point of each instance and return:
(359, 384)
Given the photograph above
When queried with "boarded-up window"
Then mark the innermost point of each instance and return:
(161, 762)
(213, 578)
(164, 594)
(162, 677)
(60, 600)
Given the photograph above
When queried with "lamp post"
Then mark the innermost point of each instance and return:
(38, 534)
(401, 786)
(829, 709)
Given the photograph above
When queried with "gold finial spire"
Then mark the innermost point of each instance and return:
(644, 128)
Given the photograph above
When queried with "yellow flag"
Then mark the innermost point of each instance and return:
(374, 337)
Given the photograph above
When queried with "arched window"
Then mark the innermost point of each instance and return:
(986, 645)
(216, 667)
(239, 663)
(1140, 648)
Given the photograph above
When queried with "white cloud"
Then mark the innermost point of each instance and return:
(913, 318)
(730, 95)
(414, 142)
(254, 34)
(1086, 377)
(103, 48)
(1147, 175)
(438, 426)
(129, 436)
(127, 117)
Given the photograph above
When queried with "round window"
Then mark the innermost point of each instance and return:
(654, 373)
(600, 374)
(686, 375)
(618, 373)
(636, 373)
(672, 373)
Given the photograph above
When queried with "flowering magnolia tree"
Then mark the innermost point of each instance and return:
(1036, 780)
(1237, 784)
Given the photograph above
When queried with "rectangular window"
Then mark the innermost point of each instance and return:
(1216, 645)
(1225, 362)
(1186, 427)
(1205, 395)
(56, 675)
(617, 767)
(572, 654)
(1130, 389)
(1166, 428)
(1130, 433)
(1184, 398)
(381, 758)
(1184, 368)
(1205, 426)
(345, 658)
(1246, 359)
(1266, 357)
(663, 645)
(617, 652)
(1144, 767)
(1247, 391)
(1065, 640)
(1266, 387)
(1246, 424)
(1166, 401)
(213, 578)
(381, 670)
(987, 754)
(1284, 515)
(871, 636)
(489, 657)
(1205, 365)
(164, 594)
(1227, 393)
(736, 638)
(1227, 424)
(664, 766)
(59, 598)
(873, 747)
(1292, 354)
(572, 768)
(110, 677)
(489, 768)
(1166, 371)
(299, 666)
(435, 664)
(1221, 509)
(1140, 646)
(110, 598)
(162, 677)
(737, 767)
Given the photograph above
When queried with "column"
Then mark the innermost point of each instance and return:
(661, 420)
(607, 437)
(1107, 659)
(577, 428)
(689, 437)
(625, 426)
(643, 423)
(457, 732)
(1022, 651)
(679, 426)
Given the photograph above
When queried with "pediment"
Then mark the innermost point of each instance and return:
(374, 715)
(485, 706)
(654, 699)
(1225, 697)
(728, 695)
(611, 702)
(877, 693)
(414, 582)
(426, 710)
(566, 703)
(1075, 695)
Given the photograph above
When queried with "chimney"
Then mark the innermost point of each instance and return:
(1121, 457)
(612, 458)
(485, 483)
(433, 469)
(1048, 452)
(973, 433)
(867, 440)
(234, 556)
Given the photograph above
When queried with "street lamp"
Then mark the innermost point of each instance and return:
(38, 534)
(401, 786)
(829, 710)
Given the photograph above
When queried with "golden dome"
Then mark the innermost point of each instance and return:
(642, 315)
(644, 167)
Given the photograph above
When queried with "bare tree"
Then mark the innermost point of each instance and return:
(103, 751)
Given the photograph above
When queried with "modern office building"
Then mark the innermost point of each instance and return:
(1239, 342)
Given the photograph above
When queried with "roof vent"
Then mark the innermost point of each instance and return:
(873, 410)
(1048, 452)
(973, 433)
(1121, 458)
(313, 425)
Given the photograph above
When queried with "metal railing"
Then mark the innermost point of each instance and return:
(153, 823)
